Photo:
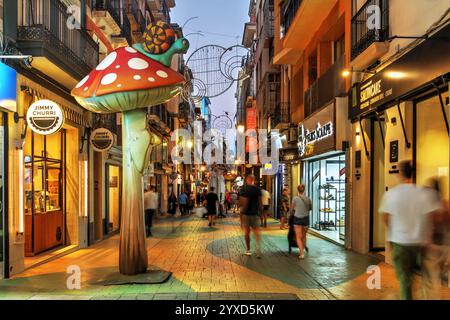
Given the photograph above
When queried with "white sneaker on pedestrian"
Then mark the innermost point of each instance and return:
(248, 253)
(301, 257)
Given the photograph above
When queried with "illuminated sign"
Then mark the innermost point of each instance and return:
(45, 117)
(8, 88)
(102, 140)
(307, 137)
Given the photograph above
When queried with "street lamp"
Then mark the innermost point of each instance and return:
(190, 144)
(241, 128)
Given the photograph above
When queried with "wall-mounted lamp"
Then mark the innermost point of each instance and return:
(348, 72)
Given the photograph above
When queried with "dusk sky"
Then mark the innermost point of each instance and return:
(222, 23)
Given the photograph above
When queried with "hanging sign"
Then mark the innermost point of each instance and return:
(45, 117)
(101, 140)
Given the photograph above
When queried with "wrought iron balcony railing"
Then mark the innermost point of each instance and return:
(111, 6)
(365, 30)
(281, 115)
(329, 86)
(42, 24)
(287, 14)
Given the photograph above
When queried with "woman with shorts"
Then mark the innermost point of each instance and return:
(301, 206)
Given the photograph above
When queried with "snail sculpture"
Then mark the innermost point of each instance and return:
(129, 80)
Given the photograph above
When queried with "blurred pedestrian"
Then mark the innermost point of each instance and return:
(210, 203)
(406, 209)
(198, 199)
(301, 207)
(183, 202)
(172, 204)
(227, 201)
(265, 198)
(284, 206)
(150, 206)
(234, 201)
(437, 251)
(250, 202)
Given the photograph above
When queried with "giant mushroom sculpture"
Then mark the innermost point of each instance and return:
(127, 81)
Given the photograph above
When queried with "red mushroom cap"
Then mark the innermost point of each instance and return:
(124, 70)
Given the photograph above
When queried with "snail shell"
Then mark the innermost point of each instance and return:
(159, 37)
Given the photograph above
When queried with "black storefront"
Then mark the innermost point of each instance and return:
(402, 113)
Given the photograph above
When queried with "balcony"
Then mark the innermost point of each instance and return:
(133, 12)
(369, 44)
(64, 54)
(329, 86)
(106, 14)
(281, 117)
(299, 22)
(124, 38)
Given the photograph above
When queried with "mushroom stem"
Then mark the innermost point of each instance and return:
(136, 143)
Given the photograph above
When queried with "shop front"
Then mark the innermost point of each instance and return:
(48, 188)
(401, 113)
(8, 105)
(322, 148)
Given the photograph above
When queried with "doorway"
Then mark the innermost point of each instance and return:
(44, 187)
(113, 200)
(3, 195)
(378, 185)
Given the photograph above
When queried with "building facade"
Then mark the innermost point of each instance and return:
(57, 194)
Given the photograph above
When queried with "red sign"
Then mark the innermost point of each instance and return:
(251, 125)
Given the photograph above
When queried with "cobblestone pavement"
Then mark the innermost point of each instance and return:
(208, 263)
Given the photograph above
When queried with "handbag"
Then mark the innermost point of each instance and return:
(200, 211)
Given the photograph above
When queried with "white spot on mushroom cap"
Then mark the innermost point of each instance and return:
(82, 82)
(86, 89)
(119, 85)
(137, 77)
(162, 74)
(151, 79)
(108, 79)
(138, 64)
(130, 49)
(109, 60)
(117, 67)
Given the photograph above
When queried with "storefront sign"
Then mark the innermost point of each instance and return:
(421, 66)
(45, 117)
(8, 88)
(317, 134)
(101, 140)
(289, 155)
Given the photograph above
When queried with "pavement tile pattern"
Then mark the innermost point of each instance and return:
(209, 264)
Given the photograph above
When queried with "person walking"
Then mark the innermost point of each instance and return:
(198, 199)
(183, 202)
(150, 205)
(172, 204)
(437, 250)
(210, 203)
(266, 205)
(407, 211)
(300, 208)
(250, 202)
(285, 204)
(227, 201)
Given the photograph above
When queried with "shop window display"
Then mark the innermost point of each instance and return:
(325, 180)
(43, 185)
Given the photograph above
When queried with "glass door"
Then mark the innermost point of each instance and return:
(113, 203)
(44, 192)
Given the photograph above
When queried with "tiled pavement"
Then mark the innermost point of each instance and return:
(208, 263)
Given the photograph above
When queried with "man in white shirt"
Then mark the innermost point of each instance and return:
(265, 198)
(407, 210)
(150, 206)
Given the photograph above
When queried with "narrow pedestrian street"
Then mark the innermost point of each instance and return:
(209, 263)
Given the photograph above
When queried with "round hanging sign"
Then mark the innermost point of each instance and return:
(45, 117)
(102, 140)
